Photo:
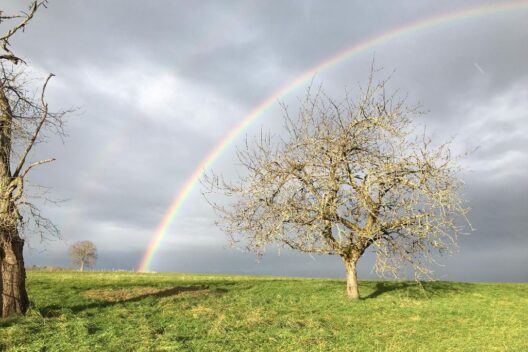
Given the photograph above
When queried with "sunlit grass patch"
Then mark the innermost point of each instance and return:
(183, 312)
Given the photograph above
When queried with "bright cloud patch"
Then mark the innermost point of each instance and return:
(164, 97)
(499, 129)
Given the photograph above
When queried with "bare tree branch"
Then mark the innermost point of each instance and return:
(27, 17)
(43, 119)
(36, 163)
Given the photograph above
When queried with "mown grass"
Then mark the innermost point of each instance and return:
(172, 312)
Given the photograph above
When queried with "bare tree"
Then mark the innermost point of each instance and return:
(348, 176)
(83, 254)
(24, 116)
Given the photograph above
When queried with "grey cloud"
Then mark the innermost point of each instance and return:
(122, 166)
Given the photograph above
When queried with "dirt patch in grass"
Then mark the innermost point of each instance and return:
(137, 293)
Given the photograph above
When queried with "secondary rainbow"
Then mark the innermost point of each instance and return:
(358, 48)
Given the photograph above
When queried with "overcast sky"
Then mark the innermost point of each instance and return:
(158, 84)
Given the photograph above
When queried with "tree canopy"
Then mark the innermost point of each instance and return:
(83, 254)
(348, 176)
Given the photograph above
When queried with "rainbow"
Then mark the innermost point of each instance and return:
(172, 211)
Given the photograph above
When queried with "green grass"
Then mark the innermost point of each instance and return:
(172, 312)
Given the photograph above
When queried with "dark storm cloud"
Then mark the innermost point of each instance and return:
(101, 33)
(159, 83)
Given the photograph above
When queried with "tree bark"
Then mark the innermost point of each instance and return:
(351, 275)
(82, 266)
(14, 296)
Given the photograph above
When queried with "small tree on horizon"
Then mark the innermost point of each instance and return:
(348, 176)
(83, 254)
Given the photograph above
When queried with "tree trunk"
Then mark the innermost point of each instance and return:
(351, 275)
(82, 266)
(14, 296)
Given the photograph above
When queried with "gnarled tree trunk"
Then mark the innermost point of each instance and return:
(351, 276)
(13, 276)
(22, 117)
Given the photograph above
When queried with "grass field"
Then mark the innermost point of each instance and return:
(178, 312)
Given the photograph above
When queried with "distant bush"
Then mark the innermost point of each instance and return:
(47, 268)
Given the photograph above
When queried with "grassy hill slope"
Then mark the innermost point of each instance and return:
(170, 312)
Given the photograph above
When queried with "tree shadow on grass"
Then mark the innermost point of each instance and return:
(108, 298)
(415, 289)
(5, 323)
